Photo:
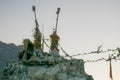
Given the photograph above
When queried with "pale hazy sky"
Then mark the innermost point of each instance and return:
(83, 26)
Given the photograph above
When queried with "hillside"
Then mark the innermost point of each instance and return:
(8, 53)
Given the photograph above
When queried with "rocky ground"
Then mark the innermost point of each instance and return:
(18, 70)
(65, 70)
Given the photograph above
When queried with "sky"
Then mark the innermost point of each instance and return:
(83, 26)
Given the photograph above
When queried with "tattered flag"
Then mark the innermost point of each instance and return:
(58, 10)
(33, 8)
(110, 74)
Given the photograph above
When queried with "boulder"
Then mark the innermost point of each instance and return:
(65, 70)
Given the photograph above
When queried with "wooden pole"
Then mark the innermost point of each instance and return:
(58, 11)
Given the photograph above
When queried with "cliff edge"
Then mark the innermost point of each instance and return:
(65, 70)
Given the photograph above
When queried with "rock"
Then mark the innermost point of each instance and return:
(66, 70)
(8, 53)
